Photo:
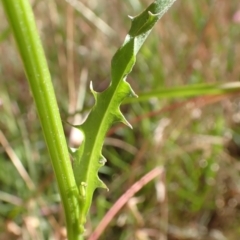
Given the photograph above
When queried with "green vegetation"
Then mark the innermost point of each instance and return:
(191, 53)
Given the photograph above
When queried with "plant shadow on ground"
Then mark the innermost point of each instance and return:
(196, 140)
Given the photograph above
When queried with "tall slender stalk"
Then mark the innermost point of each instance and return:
(21, 19)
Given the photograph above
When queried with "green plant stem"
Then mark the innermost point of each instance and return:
(21, 20)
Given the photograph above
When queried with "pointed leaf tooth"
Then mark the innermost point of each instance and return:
(130, 17)
(92, 91)
(132, 93)
(152, 15)
(120, 118)
(101, 184)
(102, 160)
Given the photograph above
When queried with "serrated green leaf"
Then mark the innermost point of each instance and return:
(106, 111)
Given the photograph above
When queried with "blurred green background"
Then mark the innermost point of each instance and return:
(195, 139)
